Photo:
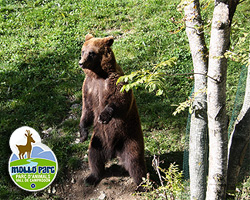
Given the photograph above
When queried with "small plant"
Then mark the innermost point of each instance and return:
(74, 163)
(171, 187)
(243, 192)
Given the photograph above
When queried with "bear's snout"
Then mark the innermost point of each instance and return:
(83, 63)
(80, 63)
(87, 58)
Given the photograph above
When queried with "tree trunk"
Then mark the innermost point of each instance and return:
(217, 120)
(216, 94)
(198, 125)
(239, 138)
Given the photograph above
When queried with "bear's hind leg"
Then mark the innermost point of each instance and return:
(96, 162)
(135, 165)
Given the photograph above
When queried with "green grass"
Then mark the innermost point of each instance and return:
(40, 78)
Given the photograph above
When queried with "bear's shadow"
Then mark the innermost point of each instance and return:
(115, 170)
(165, 160)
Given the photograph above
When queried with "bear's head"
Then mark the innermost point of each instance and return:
(97, 56)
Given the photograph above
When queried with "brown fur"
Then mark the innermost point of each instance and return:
(114, 115)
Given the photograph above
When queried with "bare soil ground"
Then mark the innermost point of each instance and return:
(115, 185)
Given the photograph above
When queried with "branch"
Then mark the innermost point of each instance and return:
(232, 8)
(191, 73)
(242, 1)
(155, 164)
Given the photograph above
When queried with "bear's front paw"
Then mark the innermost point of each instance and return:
(106, 115)
(83, 134)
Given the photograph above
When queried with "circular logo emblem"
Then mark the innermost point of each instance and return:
(32, 165)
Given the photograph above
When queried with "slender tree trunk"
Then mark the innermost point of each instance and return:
(198, 126)
(216, 94)
(216, 90)
(240, 138)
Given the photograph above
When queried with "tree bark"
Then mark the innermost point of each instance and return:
(198, 125)
(239, 139)
(216, 91)
(217, 120)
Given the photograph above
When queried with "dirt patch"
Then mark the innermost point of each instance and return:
(116, 185)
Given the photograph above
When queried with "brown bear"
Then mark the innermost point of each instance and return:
(113, 114)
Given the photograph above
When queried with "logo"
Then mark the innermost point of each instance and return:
(32, 165)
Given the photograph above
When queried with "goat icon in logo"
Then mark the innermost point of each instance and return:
(26, 148)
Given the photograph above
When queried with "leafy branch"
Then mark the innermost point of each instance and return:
(189, 102)
(153, 80)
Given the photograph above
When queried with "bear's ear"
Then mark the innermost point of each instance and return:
(88, 37)
(109, 40)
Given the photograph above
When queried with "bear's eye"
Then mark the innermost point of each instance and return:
(82, 53)
(91, 53)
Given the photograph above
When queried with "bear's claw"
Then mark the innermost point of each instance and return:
(84, 134)
(106, 115)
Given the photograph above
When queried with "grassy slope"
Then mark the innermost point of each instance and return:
(40, 78)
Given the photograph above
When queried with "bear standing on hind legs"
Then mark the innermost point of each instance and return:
(114, 115)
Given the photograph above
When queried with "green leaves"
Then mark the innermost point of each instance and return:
(154, 80)
(172, 187)
(189, 102)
